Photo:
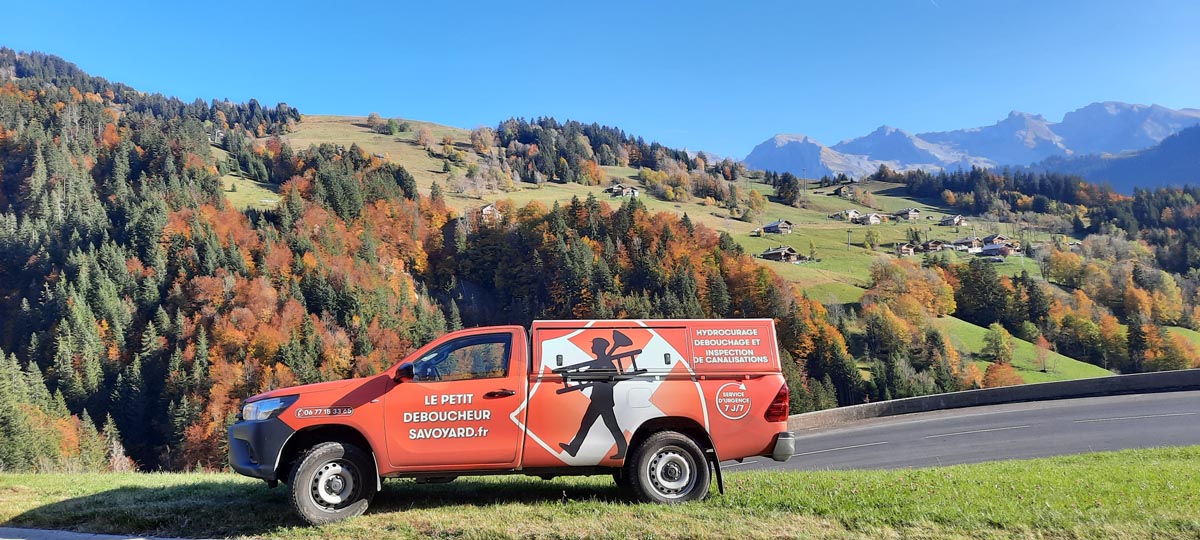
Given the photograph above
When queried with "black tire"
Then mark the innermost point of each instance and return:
(668, 467)
(330, 482)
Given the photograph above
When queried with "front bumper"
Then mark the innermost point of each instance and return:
(785, 446)
(255, 447)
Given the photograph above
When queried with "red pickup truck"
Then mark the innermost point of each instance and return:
(658, 404)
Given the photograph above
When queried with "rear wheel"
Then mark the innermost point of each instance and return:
(668, 467)
(332, 481)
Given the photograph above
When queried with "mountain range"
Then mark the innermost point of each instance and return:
(1175, 161)
(1099, 131)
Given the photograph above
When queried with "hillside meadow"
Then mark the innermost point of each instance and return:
(840, 274)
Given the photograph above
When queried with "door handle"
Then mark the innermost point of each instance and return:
(501, 393)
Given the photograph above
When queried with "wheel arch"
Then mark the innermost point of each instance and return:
(681, 424)
(311, 436)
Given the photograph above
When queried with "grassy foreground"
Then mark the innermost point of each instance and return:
(1129, 494)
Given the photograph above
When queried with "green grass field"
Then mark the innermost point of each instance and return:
(244, 193)
(1191, 335)
(968, 338)
(401, 148)
(1137, 494)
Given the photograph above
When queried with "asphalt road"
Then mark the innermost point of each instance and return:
(12, 533)
(998, 432)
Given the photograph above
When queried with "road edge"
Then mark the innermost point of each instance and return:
(1163, 381)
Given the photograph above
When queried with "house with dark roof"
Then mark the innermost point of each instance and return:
(782, 226)
(847, 215)
(992, 250)
(781, 253)
(969, 244)
(1014, 245)
(622, 190)
(868, 219)
(953, 221)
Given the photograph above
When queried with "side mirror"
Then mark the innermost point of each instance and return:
(404, 372)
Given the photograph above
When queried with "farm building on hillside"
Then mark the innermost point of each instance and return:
(933, 246)
(868, 219)
(781, 253)
(782, 226)
(490, 214)
(846, 192)
(1015, 245)
(622, 190)
(911, 214)
(992, 250)
(953, 221)
(969, 244)
(905, 249)
(1001, 240)
(847, 215)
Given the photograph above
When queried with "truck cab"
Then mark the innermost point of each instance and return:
(655, 403)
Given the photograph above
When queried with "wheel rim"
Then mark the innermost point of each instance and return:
(672, 472)
(334, 484)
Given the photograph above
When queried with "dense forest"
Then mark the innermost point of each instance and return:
(138, 309)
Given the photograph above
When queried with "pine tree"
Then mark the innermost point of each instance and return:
(200, 362)
(35, 383)
(1138, 343)
(1038, 302)
(944, 377)
(58, 405)
(176, 378)
(66, 377)
(162, 321)
(455, 319)
(22, 445)
(33, 190)
(435, 194)
(130, 406)
(182, 415)
(114, 450)
(92, 445)
(798, 396)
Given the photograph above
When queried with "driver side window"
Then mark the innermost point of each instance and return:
(474, 357)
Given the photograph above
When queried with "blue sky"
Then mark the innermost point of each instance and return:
(718, 76)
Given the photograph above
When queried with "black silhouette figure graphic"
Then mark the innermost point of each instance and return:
(601, 375)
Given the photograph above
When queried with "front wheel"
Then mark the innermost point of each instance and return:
(332, 481)
(668, 467)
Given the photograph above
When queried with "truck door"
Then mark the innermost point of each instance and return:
(455, 412)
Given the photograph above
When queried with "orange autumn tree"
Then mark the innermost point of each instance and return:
(1003, 374)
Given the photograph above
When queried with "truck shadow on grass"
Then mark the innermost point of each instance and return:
(208, 509)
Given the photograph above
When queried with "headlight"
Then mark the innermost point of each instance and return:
(266, 408)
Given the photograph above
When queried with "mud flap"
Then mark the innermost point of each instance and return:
(713, 460)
